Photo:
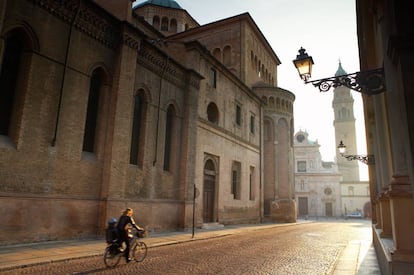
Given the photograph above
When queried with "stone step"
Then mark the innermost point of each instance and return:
(212, 225)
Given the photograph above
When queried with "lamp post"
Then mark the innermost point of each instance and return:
(369, 82)
(367, 159)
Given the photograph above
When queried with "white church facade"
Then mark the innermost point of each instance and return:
(331, 189)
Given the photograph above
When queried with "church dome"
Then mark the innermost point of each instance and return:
(162, 3)
(340, 70)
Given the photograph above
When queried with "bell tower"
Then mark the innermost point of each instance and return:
(344, 123)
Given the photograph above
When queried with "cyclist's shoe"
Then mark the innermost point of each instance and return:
(128, 260)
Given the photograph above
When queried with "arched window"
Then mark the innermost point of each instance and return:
(170, 128)
(17, 51)
(271, 101)
(156, 22)
(217, 53)
(89, 135)
(256, 65)
(259, 67)
(10, 71)
(138, 129)
(227, 55)
(173, 25)
(212, 113)
(164, 24)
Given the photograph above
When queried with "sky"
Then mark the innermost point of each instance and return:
(327, 30)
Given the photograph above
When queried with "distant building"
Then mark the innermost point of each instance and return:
(354, 193)
(328, 188)
(317, 183)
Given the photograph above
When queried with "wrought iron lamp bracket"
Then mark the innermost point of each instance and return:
(370, 82)
(367, 159)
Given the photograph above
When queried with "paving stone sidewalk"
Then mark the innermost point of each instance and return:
(16, 256)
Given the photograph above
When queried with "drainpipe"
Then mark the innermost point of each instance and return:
(64, 72)
(260, 164)
(158, 113)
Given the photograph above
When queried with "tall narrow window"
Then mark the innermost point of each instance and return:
(92, 112)
(173, 25)
(227, 55)
(138, 124)
(217, 53)
(164, 24)
(235, 180)
(8, 80)
(213, 78)
(169, 137)
(252, 124)
(252, 184)
(238, 115)
(156, 22)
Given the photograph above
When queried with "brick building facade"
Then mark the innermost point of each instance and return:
(105, 106)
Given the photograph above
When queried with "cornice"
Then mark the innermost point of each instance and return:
(161, 64)
(95, 23)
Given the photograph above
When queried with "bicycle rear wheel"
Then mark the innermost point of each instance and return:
(111, 257)
(139, 251)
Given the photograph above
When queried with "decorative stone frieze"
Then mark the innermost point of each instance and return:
(161, 64)
(97, 26)
(131, 41)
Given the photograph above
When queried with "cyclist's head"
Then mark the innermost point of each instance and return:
(128, 212)
(112, 221)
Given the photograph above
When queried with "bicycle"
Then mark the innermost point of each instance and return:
(138, 250)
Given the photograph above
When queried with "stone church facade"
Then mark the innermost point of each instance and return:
(317, 182)
(331, 189)
(105, 106)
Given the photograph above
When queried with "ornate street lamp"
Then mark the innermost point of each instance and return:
(367, 159)
(370, 82)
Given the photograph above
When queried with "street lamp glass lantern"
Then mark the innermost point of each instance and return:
(341, 148)
(303, 64)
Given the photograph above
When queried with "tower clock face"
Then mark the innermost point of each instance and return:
(300, 138)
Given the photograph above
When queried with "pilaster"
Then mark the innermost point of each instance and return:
(118, 134)
(385, 212)
(402, 215)
(377, 216)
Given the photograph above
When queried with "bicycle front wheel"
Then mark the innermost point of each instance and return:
(139, 251)
(111, 258)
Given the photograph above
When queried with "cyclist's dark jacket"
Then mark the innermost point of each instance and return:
(123, 225)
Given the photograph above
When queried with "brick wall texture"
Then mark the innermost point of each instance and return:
(205, 95)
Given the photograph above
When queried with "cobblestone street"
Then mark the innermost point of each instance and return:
(309, 248)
